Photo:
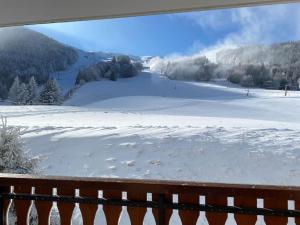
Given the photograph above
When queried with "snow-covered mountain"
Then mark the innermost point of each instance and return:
(27, 53)
(275, 54)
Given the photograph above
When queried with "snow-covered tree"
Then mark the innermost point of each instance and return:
(18, 93)
(14, 91)
(187, 68)
(32, 91)
(13, 159)
(50, 95)
(23, 94)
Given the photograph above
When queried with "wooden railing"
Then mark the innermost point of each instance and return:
(23, 190)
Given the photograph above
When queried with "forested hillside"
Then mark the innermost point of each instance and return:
(275, 66)
(275, 54)
(26, 53)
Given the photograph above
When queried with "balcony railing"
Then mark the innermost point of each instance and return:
(23, 190)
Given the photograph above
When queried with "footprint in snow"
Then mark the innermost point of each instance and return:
(112, 167)
(129, 162)
(111, 159)
(155, 162)
(128, 144)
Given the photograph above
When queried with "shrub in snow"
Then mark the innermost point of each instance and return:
(50, 95)
(13, 159)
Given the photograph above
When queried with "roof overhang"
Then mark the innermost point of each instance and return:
(20, 12)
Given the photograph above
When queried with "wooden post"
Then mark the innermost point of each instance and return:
(2, 212)
(285, 90)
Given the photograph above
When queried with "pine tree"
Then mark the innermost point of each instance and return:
(32, 91)
(23, 94)
(14, 90)
(18, 93)
(50, 95)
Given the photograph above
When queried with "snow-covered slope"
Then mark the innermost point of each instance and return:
(150, 127)
(147, 84)
(66, 78)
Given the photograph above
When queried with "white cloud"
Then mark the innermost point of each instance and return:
(251, 25)
(212, 20)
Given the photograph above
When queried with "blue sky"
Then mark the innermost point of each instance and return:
(181, 33)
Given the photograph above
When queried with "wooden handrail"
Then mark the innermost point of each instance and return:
(152, 186)
(245, 199)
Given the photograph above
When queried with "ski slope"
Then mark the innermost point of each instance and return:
(67, 78)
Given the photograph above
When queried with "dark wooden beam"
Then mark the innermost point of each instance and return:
(16, 12)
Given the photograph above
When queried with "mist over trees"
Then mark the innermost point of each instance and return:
(274, 54)
(270, 66)
(194, 68)
(249, 75)
(274, 66)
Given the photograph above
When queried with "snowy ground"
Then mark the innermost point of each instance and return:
(151, 127)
